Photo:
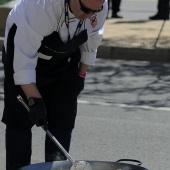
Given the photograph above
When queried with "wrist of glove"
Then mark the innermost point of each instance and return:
(38, 112)
(81, 81)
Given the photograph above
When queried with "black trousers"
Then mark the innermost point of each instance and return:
(163, 6)
(115, 6)
(18, 146)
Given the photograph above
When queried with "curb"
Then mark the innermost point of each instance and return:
(131, 53)
(128, 53)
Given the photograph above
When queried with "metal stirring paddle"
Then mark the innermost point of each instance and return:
(76, 165)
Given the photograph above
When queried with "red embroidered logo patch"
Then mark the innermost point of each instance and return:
(93, 21)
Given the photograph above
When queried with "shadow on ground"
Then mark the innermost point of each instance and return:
(129, 82)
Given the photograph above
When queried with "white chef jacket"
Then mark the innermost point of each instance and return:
(36, 19)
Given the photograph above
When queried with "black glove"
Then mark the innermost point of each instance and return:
(38, 112)
(80, 85)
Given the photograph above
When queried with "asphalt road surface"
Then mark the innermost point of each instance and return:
(123, 112)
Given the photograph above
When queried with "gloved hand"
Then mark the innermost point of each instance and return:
(38, 112)
(80, 87)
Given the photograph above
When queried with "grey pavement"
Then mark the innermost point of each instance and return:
(125, 106)
(136, 39)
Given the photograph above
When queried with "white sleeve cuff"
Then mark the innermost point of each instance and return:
(88, 58)
(25, 77)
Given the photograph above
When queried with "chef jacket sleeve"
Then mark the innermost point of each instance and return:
(89, 49)
(33, 24)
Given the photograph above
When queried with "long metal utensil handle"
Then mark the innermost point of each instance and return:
(56, 142)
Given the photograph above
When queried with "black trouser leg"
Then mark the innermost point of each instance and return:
(163, 6)
(115, 6)
(52, 153)
(18, 148)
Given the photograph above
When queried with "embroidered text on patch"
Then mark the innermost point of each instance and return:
(93, 21)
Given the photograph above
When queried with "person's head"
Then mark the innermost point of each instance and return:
(83, 9)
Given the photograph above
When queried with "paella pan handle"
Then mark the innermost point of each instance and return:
(130, 160)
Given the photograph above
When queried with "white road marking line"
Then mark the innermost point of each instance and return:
(125, 105)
